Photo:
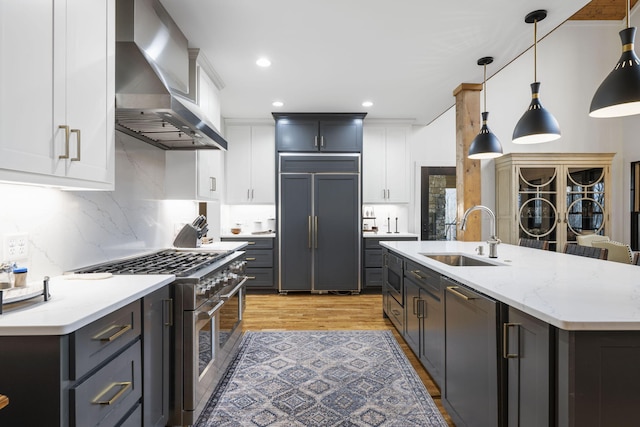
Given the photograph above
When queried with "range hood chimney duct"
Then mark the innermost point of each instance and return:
(153, 102)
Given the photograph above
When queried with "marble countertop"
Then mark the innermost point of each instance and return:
(76, 303)
(247, 236)
(567, 291)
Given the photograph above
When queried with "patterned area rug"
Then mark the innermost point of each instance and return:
(320, 378)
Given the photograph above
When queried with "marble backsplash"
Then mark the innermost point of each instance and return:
(71, 229)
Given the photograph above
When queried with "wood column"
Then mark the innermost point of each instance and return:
(468, 185)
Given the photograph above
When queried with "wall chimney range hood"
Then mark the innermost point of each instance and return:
(153, 98)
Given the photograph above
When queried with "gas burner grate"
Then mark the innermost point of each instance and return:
(179, 263)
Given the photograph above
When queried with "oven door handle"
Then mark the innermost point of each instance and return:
(235, 289)
(209, 313)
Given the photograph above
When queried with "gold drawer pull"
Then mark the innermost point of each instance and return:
(415, 273)
(119, 333)
(251, 277)
(250, 259)
(124, 386)
(251, 243)
(453, 290)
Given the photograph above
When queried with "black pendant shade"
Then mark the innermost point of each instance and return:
(537, 124)
(485, 145)
(619, 94)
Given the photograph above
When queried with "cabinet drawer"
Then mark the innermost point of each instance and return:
(395, 313)
(259, 258)
(373, 258)
(428, 279)
(260, 278)
(110, 393)
(372, 277)
(98, 341)
(253, 243)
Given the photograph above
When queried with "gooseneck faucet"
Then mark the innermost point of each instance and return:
(493, 240)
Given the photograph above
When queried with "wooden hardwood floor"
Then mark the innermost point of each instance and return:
(304, 311)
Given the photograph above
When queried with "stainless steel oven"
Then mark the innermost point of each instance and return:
(215, 329)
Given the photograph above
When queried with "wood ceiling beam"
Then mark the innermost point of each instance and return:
(603, 10)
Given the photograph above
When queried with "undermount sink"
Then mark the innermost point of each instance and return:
(461, 260)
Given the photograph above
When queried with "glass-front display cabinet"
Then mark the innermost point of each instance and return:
(552, 196)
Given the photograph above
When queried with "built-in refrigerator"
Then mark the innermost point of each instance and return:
(319, 235)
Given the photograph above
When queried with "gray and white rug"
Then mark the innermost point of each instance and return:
(320, 378)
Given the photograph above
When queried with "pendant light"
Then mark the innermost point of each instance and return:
(537, 124)
(485, 145)
(619, 94)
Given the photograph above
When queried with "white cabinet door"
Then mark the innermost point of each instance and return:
(238, 164)
(193, 175)
(88, 89)
(26, 88)
(57, 69)
(263, 169)
(397, 166)
(374, 165)
(250, 164)
(385, 164)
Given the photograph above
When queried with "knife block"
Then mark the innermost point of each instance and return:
(187, 238)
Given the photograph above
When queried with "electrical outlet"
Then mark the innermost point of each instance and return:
(16, 247)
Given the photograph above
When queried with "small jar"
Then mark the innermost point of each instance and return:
(20, 277)
(6, 276)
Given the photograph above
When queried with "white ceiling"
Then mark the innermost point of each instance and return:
(406, 56)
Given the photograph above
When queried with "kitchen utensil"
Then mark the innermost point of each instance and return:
(236, 230)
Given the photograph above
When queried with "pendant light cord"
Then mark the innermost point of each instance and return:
(535, 50)
(485, 87)
(628, 9)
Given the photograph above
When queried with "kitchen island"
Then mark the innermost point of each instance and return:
(533, 338)
(84, 356)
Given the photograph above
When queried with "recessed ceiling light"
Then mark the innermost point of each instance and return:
(367, 104)
(263, 62)
(277, 103)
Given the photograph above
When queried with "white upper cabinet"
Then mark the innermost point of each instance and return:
(193, 175)
(57, 93)
(385, 164)
(250, 164)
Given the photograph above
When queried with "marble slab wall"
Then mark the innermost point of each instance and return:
(70, 229)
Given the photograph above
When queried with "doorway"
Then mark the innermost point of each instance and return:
(438, 204)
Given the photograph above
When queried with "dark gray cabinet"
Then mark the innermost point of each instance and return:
(424, 323)
(92, 376)
(372, 259)
(157, 309)
(309, 132)
(471, 380)
(260, 258)
(319, 235)
(527, 351)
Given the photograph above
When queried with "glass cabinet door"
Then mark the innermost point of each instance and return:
(537, 203)
(585, 201)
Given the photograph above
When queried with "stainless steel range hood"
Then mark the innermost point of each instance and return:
(153, 102)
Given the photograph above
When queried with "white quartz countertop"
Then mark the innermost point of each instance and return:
(76, 303)
(385, 235)
(248, 236)
(568, 291)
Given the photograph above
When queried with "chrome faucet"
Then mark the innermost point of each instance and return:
(493, 240)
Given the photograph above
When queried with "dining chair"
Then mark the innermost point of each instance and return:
(588, 239)
(534, 243)
(586, 251)
(636, 259)
(618, 252)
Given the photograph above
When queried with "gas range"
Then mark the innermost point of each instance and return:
(202, 275)
(208, 301)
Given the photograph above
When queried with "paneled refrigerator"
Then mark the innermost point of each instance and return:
(319, 222)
